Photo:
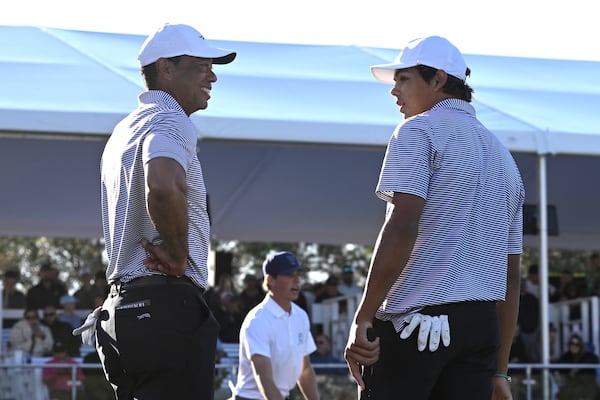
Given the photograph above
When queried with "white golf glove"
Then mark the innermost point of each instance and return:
(88, 329)
(429, 326)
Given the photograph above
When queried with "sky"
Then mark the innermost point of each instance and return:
(522, 28)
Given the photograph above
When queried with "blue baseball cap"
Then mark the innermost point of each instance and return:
(280, 263)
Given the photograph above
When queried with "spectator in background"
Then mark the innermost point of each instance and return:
(348, 286)
(59, 380)
(55, 276)
(577, 383)
(101, 284)
(303, 303)
(11, 296)
(306, 298)
(323, 355)
(68, 315)
(529, 325)
(569, 290)
(213, 293)
(251, 295)
(532, 283)
(86, 294)
(592, 276)
(47, 292)
(30, 336)
(61, 331)
(229, 317)
(330, 290)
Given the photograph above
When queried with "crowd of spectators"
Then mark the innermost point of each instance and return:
(49, 310)
(45, 329)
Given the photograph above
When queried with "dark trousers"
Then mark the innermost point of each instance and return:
(244, 398)
(462, 371)
(157, 340)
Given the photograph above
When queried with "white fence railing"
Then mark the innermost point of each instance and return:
(335, 317)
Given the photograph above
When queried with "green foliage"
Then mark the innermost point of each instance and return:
(68, 256)
(315, 258)
(558, 260)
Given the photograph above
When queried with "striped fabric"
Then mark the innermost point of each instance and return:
(472, 217)
(157, 128)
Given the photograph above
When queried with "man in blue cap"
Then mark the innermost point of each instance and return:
(275, 338)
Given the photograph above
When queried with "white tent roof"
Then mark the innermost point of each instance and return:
(291, 143)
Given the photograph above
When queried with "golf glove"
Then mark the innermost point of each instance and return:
(88, 329)
(432, 327)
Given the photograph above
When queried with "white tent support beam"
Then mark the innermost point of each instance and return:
(543, 267)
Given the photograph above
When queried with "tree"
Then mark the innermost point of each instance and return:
(68, 256)
(318, 259)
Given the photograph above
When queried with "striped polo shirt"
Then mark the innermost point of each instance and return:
(157, 128)
(472, 217)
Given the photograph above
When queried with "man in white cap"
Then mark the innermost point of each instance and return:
(275, 338)
(446, 262)
(157, 337)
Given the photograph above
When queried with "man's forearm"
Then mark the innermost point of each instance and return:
(508, 312)
(392, 250)
(308, 384)
(267, 388)
(168, 211)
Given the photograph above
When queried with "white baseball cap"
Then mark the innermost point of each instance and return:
(432, 51)
(173, 40)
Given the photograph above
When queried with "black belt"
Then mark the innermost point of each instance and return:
(155, 280)
(245, 398)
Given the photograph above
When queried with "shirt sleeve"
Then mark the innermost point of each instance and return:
(257, 338)
(170, 138)
(515, 233)
(310, 344)
(406, 166)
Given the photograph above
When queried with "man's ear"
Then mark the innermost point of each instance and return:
(440, 78)
(164, 67)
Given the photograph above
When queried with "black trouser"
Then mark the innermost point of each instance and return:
(462, 371)
(157, 340)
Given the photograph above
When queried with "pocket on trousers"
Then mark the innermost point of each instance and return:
(159, 335)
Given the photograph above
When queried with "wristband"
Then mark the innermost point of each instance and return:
(507, 377)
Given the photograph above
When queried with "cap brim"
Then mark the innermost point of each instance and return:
(385, 72)
(226, 59)
(218, 55)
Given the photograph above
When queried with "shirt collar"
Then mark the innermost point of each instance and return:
(454, 103)
(159, 97)
(274, 308)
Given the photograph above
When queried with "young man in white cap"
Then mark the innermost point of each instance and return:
(275, 339)
(446, 262)
(157, 337)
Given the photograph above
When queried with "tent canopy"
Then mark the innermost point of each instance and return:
(291, 143)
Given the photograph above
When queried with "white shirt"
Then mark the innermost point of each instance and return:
(284, 338)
